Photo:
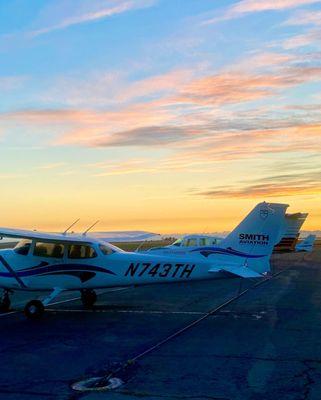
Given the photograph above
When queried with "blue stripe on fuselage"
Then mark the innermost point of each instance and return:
(34, 271)
(218, 250)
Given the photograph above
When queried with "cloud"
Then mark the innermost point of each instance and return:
(115, 88)
(52, 165)
(310, 38)
(147, 136)
(307, 183)
(86, 11)
(10, 176)
(244, 7)
(305, 17)
(191, 117)
(262, 60)
(238, 87)
(133, 166)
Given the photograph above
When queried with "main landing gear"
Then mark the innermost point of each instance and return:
(35, 309)
(5, 301)
(88, 297)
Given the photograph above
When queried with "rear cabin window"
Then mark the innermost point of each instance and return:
(43, 249)
(78, 251)
(206, 241)
(23, 247)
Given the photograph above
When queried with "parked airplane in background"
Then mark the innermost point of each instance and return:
(306, 244)
(286, 243)
(290, 237)
(186, 244)
(59, 262)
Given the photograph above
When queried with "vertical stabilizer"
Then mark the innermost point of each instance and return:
(306, 244)
(255, 237)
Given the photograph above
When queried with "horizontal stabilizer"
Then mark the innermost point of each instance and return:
(241, 271)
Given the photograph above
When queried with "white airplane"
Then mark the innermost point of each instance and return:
(186, 244)
(306, 244)
(61, 262)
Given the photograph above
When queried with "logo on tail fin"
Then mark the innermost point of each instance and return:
(264, 213)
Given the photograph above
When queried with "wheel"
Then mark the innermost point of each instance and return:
(88, 297)
(34, 309)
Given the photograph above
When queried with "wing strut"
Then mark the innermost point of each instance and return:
(12, 272)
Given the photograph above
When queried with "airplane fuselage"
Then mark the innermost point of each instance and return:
(116, 269)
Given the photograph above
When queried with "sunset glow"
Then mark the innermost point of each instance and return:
(161, 115)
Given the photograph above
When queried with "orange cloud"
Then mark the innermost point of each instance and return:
(237, 87)
(307, 183)
(192, 120)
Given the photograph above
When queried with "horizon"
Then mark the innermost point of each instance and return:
(158, 115)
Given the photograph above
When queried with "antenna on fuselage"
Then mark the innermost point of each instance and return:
(74, 223)
(91, 226)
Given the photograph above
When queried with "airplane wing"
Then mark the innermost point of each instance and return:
(124, 236)
(48, 237)
(237, 270)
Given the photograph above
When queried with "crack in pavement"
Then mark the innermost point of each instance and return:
(308, 380)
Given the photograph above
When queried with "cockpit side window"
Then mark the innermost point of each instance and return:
(54, 250)
(106, 250)
(23, 247)
(191, 243)
(78, 251)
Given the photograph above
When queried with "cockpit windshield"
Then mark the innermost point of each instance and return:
(177, 243)
(23, 247)
(107, 248)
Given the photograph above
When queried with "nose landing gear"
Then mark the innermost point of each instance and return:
(34, 309)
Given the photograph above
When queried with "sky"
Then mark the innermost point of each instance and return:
(160, 115)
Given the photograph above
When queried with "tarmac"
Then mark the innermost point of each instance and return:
(176, 341)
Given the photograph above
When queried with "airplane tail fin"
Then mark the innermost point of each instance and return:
(254, 238)
(306, 244)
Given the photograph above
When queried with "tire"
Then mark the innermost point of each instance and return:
(88, 298)
(34, 309)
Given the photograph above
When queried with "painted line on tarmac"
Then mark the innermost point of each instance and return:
(8, 313)
(150, 312)
(61, 302)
